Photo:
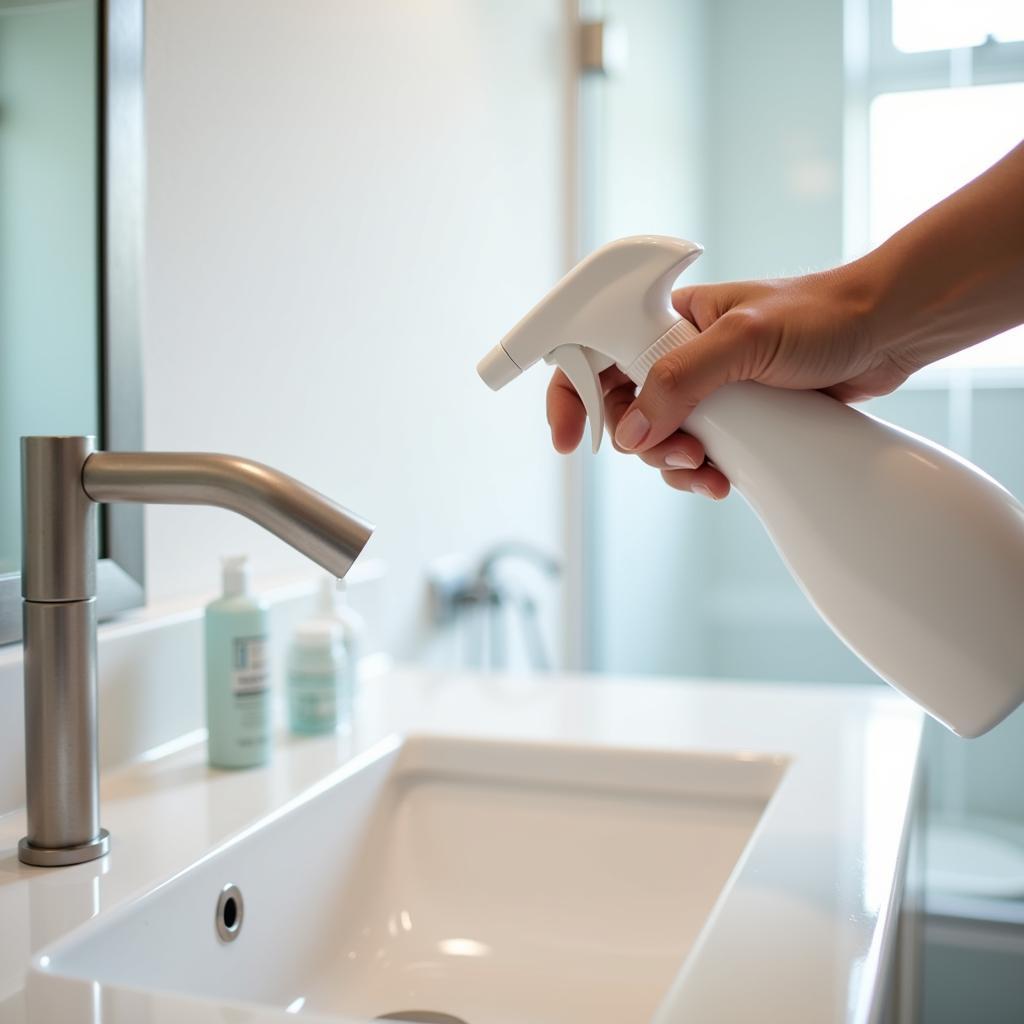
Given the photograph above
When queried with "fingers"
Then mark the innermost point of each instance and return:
(847, 393)
(706, 481)
(703, 304)
(878, 380)
(566, 414)
(678, 451)
(679, 380)
(680, 456)
(616, 401)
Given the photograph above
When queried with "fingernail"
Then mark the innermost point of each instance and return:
(680, 460)
(632, 430)
(703, 489)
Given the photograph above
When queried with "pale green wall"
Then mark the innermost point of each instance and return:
(726, 128)
(775, 136)
(48, 261)
(650, 124)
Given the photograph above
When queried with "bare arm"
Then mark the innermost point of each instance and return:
(954, 276)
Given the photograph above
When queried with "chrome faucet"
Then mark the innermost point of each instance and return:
(63, 479)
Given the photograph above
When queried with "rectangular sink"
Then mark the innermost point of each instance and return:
(487, 882)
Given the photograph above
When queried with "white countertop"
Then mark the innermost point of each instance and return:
(800, 936)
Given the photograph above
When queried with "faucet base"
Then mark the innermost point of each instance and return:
(62, 856)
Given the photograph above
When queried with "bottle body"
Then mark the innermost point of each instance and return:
(319, 685)
(913, 556)
(238, 699)
(333, 607)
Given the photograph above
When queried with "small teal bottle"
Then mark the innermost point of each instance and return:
(319, 687)
(238, 705)
(333, 606)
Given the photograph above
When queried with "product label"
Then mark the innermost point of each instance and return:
(250, 675)
(313, 698)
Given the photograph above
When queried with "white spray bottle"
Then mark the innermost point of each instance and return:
(913, 556)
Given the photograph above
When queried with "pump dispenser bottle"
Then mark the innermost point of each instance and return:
(333, 606)
(319, 690)
(238, 705)
(913, 556)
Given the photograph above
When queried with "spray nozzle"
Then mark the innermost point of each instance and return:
(613, 308)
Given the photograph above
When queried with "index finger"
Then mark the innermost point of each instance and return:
(566, 415)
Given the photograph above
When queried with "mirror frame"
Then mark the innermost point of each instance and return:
(121, 164)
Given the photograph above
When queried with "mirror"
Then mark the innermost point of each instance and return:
(49, 247)
(70, 218)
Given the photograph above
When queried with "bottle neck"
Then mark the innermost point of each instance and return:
(236, 579)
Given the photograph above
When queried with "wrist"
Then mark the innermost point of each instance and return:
(858, 294)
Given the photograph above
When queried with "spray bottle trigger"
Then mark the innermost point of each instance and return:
(583, 367)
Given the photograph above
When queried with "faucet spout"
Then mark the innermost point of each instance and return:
(63, 479)
(330, 535)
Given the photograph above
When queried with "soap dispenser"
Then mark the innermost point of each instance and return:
(319, 688)
(333, 605)
(238, 704)
(913, 556)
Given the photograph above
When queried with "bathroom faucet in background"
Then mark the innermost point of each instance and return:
(63, 478)
(477, 598)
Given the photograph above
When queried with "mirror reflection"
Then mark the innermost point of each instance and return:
(49, 235)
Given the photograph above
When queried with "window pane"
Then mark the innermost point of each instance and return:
(949, 24)
(925, 145)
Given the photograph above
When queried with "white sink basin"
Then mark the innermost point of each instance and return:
(495, 882)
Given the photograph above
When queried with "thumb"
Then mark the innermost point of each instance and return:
(676, 383)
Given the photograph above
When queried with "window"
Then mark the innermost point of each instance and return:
(953, 24)
(925, 144)
(944, 92)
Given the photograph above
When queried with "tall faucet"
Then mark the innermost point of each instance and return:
(63, 479)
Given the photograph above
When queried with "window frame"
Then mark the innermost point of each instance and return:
(892, 70)
(873, 66)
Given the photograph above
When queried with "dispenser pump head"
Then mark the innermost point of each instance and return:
(236, 575)
(613, 308)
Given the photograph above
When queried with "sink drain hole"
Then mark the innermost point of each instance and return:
(420, 1017)
(229, 913)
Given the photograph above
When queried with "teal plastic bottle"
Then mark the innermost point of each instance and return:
(333, 606)
(238, 705)
(319, 690)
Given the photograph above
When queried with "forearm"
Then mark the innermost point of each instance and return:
(955, 275)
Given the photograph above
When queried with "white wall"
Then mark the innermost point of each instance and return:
(348, 204)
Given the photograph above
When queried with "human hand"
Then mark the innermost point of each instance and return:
(951, 278)
(805, 332)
